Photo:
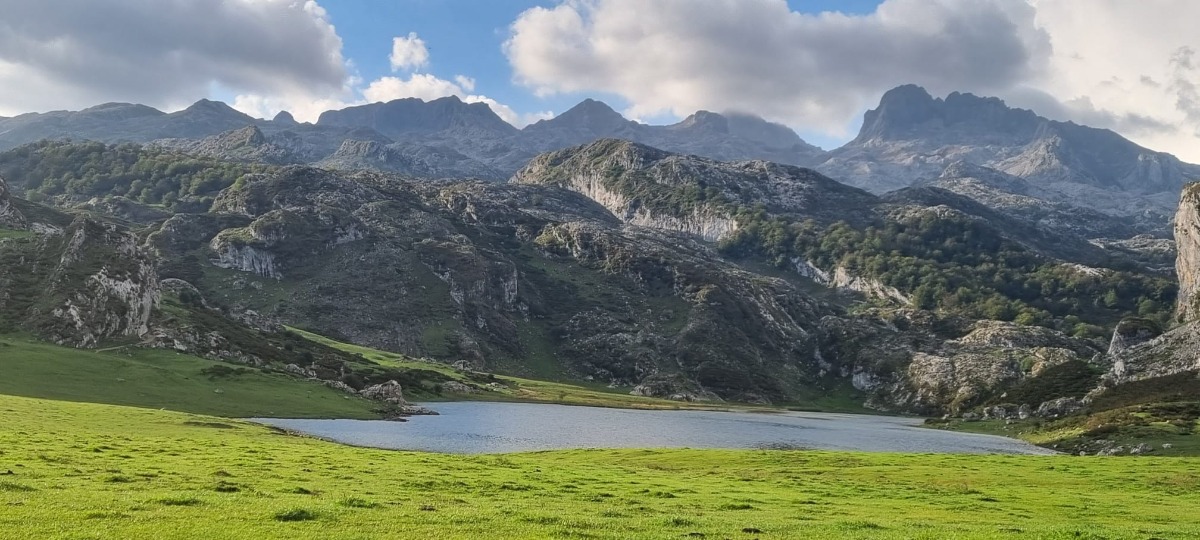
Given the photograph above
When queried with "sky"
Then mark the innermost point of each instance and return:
(814, 65)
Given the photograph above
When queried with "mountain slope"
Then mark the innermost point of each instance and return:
(912, 136)
(658, 273)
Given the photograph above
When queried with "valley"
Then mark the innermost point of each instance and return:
(164, 277)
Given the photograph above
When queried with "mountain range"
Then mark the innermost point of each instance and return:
(1005, 158)
(720, 258)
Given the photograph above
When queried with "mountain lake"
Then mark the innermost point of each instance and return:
(487, 427)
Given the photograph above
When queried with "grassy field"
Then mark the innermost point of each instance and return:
(164, 379)
(98, 471)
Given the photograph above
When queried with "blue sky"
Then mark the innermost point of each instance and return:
(465, 37)
(655, 60)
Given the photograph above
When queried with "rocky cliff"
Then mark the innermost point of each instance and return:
(10, 216)
(1187, 242)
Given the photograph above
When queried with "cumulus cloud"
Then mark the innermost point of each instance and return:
(1127, 66)
(758, 56)
(818, 72)
(408, 52)
(74, 53)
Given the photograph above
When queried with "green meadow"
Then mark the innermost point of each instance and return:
(164, 379)
(86, 453)
(77, 470)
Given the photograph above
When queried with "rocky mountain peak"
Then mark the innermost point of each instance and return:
(120, 111)
(589, 114)
(218, 108)
(910, 111)
(285, 118)
(413, 116)
(247, 136)
(705, 121)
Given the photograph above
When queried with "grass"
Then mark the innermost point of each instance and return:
(1155, 424)
(175, 470)
(517, 388)
(10, 233)
(164, 379)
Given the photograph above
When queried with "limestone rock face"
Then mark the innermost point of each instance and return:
(1132, 332)
(10, 217)
(103, 285)
(1187, 245)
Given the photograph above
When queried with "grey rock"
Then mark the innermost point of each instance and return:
(455, 387)
(388, 392)
(1058, 408)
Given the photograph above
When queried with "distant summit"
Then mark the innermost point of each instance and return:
(412, 116)
(284, 118)
(911, 136)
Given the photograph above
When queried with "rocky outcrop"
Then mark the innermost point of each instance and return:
(1187, 246)
(102, 285)
(649, 187)
(10, 216)
(388, 392)
(1060, 407)
(957, 375)
(231, 251)
(124, 209)
(1132, 332)
(391, 394)
(673, 387)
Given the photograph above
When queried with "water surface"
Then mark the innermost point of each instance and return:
(483, 427)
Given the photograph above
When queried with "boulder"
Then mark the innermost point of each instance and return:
(388, 392)
(1057, 408)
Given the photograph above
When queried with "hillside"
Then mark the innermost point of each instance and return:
(911, 137)
(650, 272)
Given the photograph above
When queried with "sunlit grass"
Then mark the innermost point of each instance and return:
(98, 471)
(165, 379)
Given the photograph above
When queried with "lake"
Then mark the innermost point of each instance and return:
(484, 427)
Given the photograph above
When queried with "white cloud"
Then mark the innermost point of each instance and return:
(466, 82)
(1114, 63)
(58, 54)
(273, 55)
(759, 56)
(1127, 66)
(408, 52)
(418, 85)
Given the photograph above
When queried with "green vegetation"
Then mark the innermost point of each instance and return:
(9, 233)
(1175, 425)
(85, 470)
(961, 266)
(144, 174)
(1153, 412)
(513, 388)
(165, 379)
